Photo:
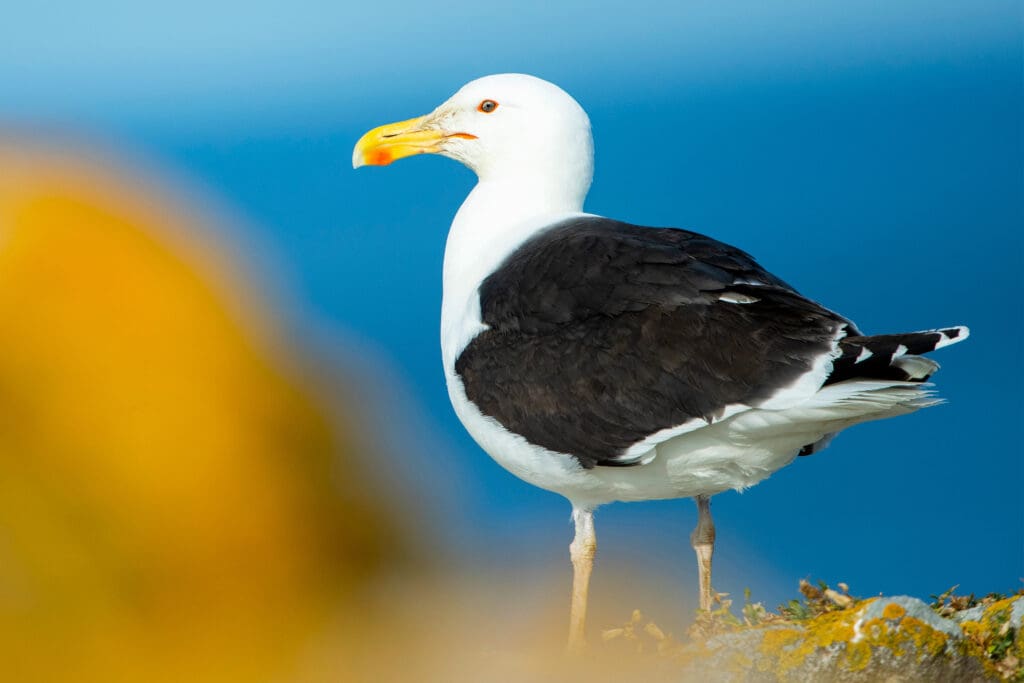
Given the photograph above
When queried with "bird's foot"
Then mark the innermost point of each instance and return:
(718, 619)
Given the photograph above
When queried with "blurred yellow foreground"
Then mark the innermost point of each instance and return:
(173, 505)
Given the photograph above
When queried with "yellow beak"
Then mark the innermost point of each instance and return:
(382, 145)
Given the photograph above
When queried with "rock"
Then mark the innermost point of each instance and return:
(883, 639)
(887, 608)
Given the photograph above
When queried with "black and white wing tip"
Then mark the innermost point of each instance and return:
(893, 356)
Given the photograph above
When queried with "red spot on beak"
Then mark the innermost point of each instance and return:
(379, 157)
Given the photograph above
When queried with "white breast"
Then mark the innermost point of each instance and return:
(491, 224)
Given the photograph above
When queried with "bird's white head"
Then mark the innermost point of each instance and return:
(509, 128)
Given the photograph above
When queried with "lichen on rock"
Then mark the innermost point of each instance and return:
(884, 638)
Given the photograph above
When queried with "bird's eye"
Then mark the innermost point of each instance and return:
(487, 106)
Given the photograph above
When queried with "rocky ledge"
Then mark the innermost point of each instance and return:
(834, 637)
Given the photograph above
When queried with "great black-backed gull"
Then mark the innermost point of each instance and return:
(611, 362)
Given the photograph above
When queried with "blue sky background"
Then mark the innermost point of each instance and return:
(869, 153)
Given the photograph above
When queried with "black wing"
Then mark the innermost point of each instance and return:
(602, 333)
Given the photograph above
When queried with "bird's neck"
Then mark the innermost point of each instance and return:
(496, 207)
(496, 218)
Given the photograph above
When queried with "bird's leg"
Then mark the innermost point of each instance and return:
(703, 541)
(581, 550)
